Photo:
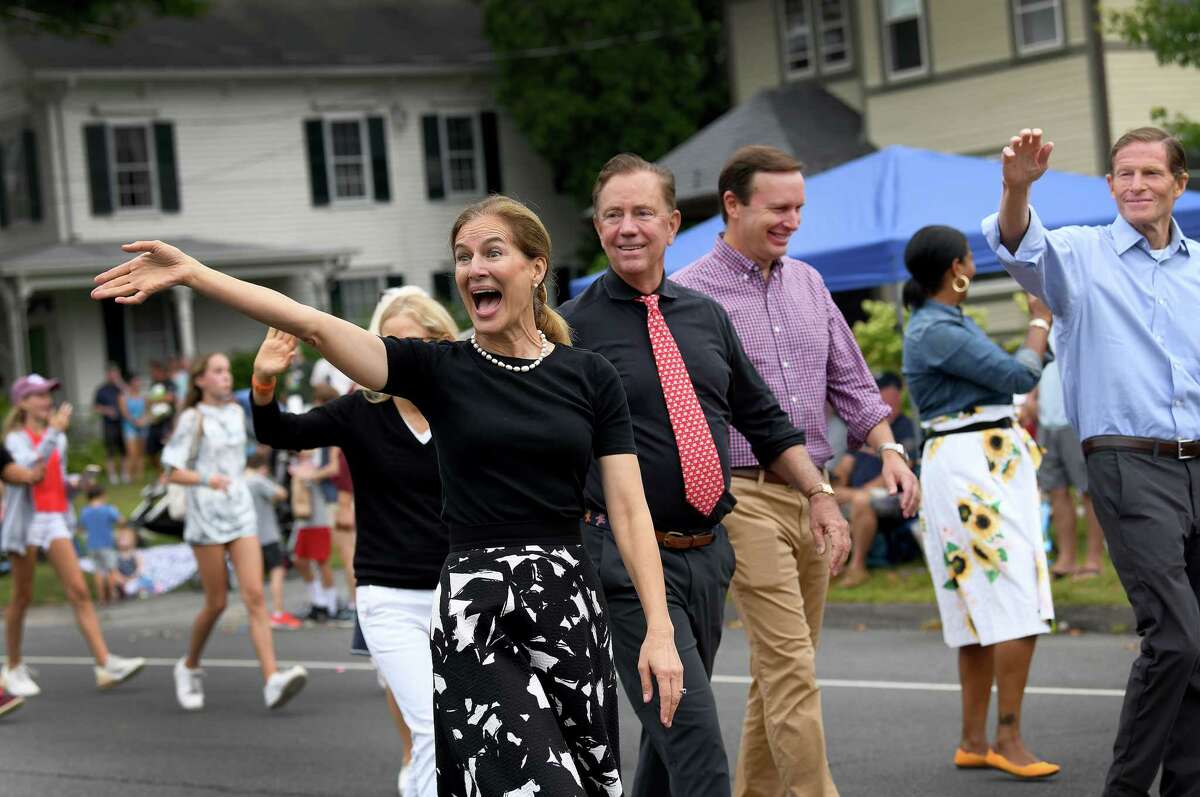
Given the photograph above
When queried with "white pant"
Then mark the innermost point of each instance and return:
(395, 623)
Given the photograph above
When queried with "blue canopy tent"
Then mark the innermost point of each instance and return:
(860, 215)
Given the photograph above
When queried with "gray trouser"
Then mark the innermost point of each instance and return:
(688, 759)
(1149, 508)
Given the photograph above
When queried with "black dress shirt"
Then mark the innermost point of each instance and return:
(608, 319)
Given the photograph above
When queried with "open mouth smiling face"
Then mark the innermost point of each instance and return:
(495, 278)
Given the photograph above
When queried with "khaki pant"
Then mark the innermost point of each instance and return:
(779, 587)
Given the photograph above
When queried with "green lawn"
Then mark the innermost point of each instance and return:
(910, 583)
(46, 587)
(904, 584)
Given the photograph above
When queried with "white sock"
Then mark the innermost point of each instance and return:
(315, 595)
(331, 599)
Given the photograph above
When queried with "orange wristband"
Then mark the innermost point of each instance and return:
(262, 387)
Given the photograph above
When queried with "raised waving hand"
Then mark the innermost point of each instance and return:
(1025, 159)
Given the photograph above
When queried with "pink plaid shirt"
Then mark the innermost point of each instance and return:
(799, 342)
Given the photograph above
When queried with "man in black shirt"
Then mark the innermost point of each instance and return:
(620, 316)
(107, 404)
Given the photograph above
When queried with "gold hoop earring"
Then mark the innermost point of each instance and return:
(960, 284)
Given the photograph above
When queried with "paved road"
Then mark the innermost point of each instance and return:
(891, 708)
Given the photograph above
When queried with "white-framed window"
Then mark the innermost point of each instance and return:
(833, 35)
(797, 38)
(905, 49)
(816, 36)
(133, 167)
(14, 181)
(462, 155)
(354, 298)
(1038, 25)
(348, 158)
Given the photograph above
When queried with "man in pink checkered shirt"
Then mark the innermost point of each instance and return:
(800, 344)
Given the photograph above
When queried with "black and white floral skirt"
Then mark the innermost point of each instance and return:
(525, 693)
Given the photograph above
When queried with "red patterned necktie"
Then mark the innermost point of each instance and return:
(703, 481)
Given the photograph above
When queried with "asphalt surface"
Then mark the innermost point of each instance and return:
(890, 701)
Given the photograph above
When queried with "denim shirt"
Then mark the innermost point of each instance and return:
(951, 364)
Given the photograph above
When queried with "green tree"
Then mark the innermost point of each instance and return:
(1171, 29)
(880, 335)
(100, 19)
(586, 80)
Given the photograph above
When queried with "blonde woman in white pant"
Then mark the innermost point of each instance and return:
(402, 541)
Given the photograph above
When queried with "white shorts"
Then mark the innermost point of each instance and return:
(47, 527)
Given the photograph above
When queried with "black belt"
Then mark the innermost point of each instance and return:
(999, 423)
(1171, 449)
(675, 540)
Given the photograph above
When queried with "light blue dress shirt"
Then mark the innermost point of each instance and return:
(1052, 413)
(1126, 324)
(951, 365)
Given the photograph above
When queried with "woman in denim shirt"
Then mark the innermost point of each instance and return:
(981, 514)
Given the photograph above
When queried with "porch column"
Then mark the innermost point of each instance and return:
(187, 325)
(18, 335)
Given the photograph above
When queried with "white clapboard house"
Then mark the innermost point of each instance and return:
(320, 147)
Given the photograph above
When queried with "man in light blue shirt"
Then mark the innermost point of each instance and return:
(1126, 304)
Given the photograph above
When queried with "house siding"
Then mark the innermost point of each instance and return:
(1136, 84)
(755, 47)
(964, 34)
(243, 171)
(974, 115)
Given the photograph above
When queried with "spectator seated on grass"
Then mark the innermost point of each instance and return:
(879, 532)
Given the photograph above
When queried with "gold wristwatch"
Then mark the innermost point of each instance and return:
(822, 487)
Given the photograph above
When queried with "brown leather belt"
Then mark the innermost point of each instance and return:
(675, 540)
(1171, 449)
(678, 541)
(753, 473)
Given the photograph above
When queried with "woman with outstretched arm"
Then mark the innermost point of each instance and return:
(524, 684)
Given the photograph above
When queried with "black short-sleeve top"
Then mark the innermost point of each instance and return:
(513, 447)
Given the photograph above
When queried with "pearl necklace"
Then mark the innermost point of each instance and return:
(522, 368)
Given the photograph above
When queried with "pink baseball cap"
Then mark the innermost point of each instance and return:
(28, 385)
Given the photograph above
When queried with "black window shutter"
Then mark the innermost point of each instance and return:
(443, 286)
(435, 187)
(318, 177)
(3, 194)
(377, 138)
(95, 139)
(491, 152)
(168, 174)
(29, 144)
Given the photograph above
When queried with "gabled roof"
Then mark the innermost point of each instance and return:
(276, 34)
(802, 119)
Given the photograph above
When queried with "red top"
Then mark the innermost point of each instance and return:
(50, 494)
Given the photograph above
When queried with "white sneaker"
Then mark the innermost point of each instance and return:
(189, 690)
(117, 670)
(283, 685)
(18, 681)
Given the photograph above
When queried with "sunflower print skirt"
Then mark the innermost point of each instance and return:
(982, 530)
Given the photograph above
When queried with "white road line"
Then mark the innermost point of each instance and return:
(825, 683)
